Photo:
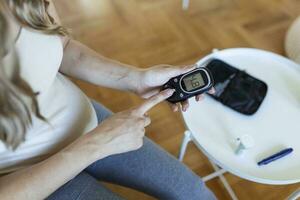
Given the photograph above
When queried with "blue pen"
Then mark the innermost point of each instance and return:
(275, 156)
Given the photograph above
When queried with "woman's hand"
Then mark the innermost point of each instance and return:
(153, 78)
(124, 131)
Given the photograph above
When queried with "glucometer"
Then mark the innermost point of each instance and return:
(190, 84)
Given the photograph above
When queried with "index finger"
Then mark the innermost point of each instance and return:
(154, 100)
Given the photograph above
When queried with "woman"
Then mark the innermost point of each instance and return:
(44, 151)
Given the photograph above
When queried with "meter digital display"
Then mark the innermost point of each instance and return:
(193, 82)
(190, 84)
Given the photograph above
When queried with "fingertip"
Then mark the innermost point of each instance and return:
(182, 108)
(154, 100)
(189, 67)
(172, 107)
(200, 97)
(185, 106)
(178, 107)
(169, 92)
(212, 91)
(175, 109)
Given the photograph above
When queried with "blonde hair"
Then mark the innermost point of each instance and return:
(17, 99)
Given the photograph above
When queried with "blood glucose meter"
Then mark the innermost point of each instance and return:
(190, 84)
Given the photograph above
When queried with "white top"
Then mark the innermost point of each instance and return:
(274, 127)
(68, 110)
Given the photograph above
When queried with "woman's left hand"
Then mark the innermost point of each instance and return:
(152, 79)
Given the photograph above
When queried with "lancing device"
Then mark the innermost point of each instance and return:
(275, 156)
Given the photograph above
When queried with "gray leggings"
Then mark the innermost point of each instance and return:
(150, 170)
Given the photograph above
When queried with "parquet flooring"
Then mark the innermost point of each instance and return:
(149, 32)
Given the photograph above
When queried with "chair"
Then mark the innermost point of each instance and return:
(295, 195)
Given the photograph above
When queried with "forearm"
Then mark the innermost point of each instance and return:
(85, 64)
(42, 179)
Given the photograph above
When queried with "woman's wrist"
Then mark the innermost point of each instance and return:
(85, 150)
(135, 79)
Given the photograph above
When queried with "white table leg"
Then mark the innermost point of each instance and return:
(214, 175)
(185, 4)
(185, 141)
(218, 171)
(224, 181)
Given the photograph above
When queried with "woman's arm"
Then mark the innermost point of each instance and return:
(42, 179)
(85, 64)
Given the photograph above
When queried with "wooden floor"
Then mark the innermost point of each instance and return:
(148, 32)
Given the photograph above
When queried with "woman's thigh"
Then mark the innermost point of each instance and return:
(83, 187)
(149, 169)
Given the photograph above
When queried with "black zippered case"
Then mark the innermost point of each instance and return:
(237, 89)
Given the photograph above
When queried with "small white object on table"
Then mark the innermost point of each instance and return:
(214, 128)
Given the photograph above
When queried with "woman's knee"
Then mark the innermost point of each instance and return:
(187, 185)
(193, 188)
(177, 181)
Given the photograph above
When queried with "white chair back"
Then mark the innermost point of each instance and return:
(295, 195)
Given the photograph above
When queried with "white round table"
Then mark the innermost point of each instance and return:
(214, 128)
